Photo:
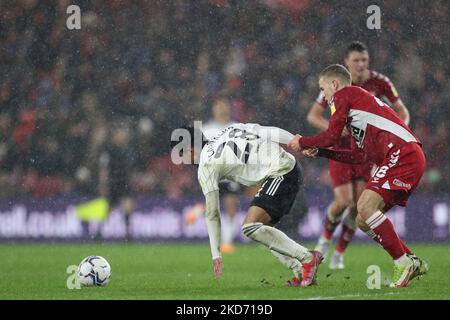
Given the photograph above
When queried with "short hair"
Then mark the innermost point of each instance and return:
(221, 97)
(337, 71)
(193, 132)
(355, 46)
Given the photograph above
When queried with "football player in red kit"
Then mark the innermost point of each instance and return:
(349, 180)
(381, 137)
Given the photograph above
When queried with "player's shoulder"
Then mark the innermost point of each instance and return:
(207, 154)
(206, 168)
(349, 97)
(379, 77)
(349, 92)
(245, 126)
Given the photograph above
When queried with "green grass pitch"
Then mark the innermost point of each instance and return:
(184, 271)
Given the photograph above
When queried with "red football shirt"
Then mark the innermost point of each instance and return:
(377, 84)
(373, 125)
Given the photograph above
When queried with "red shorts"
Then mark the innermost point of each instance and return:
(343, 173)
(398, 175)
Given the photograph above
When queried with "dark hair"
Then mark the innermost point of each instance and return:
(193, 132)
(356, 46)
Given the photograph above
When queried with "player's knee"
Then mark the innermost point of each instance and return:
(350, 221)
(344, 202)
(249, 229)
(353, 212)
(364, 209)
(360, 222)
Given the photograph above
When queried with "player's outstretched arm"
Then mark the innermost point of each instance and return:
(315, 117)
(402, 111)
(353, 156)
(333, 133)
(212, 216)
(274, 134)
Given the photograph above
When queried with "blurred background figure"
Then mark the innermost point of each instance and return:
(116, 163)
(157, 65)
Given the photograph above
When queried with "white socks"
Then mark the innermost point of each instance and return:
(402, 260)
(293, 264)
(276, 240)
(376, 219)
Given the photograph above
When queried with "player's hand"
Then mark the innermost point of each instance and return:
(294, 144)
(312, 153)
(218, 266)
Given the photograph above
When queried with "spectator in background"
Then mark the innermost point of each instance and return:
(159, 64)
(116, 164)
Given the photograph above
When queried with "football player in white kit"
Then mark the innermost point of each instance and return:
(228, 190)
(251, 155)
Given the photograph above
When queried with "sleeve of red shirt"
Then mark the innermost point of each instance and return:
(336, 124)
(354, 156)
(389, 91)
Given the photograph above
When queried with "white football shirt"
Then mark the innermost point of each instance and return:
(244, 153)
(212, 128)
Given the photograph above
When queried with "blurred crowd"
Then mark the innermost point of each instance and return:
(145, 67)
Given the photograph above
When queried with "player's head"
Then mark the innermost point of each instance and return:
(221, 110)
(357, 58)
(333, 78)
(188, 143)
(120, 135)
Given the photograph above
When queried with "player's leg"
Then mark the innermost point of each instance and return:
(289, 223)
(257, 226)
(230, 202)
(113, 197)
(348, 227)
(273, 200)
(391, 185)
(373, 222)
(292, 264)
(343, 198)
(259, 215)
(194, 212)
(127, 206)
(341, 178)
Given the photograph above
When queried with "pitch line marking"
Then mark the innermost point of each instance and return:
(358, 295)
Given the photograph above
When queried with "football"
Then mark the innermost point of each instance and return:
(94, 271)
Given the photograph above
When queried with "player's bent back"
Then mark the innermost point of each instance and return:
(244, 153)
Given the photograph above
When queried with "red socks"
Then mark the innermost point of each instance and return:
(345, 238)
(382, 231)
(407, 250)
(329, 227)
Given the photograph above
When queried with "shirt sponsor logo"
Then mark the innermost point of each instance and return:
(402, 184)
(394, 91)
(332, 108)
